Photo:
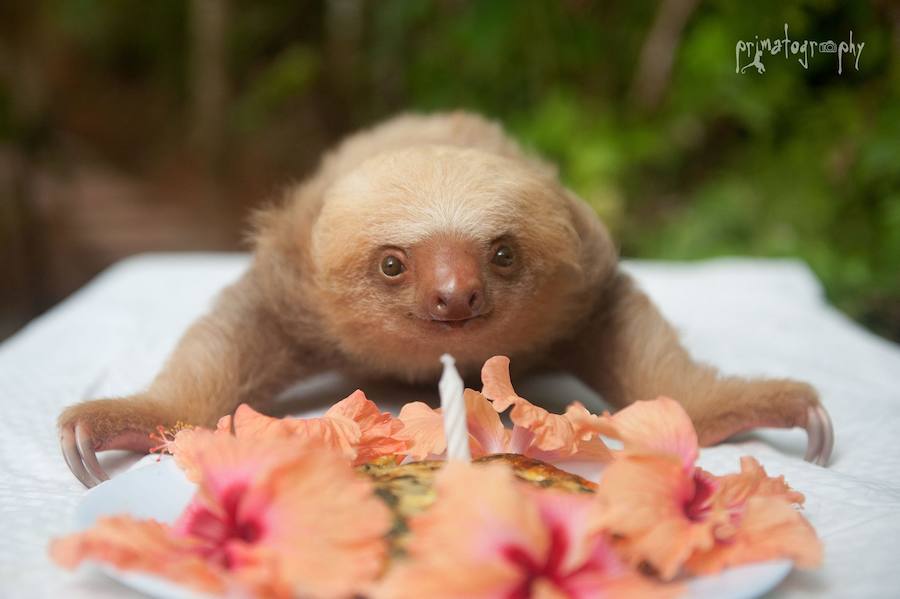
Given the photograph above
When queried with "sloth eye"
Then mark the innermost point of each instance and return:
(503, 256)
(392, 266)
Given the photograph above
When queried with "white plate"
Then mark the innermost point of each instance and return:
(159, 490)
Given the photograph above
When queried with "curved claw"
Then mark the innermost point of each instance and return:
(820, 435)
(88, 454)
(78, 451)
(828, 443)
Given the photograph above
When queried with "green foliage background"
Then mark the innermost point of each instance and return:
(792, 162)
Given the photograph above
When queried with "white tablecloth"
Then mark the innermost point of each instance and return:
(749, 317)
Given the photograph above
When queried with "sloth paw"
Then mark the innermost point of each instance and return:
(747, 405)
(100, 425)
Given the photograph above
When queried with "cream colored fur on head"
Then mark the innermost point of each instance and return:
(401, 198)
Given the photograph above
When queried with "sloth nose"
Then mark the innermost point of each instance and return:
(457, 302)
(449, 282)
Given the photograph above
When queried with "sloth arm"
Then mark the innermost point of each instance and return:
(237, 353)
(628, 352)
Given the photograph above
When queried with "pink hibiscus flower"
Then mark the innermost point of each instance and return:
(666, 512)
(517, 542)
(268, 519)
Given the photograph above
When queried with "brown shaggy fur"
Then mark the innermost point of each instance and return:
(314, 298)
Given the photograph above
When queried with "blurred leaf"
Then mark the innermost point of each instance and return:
(274, 88)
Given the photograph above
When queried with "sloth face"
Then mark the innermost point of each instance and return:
(453, 279)
(440, 249)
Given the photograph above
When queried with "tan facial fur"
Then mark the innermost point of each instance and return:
(416, 200)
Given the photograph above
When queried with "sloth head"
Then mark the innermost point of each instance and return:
(437, 249)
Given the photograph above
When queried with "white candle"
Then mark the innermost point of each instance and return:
(454, 408)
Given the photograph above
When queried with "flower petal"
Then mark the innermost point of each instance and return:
(497, 385)
(518, 541)
(769, 528)
(567, 513)
(218, 461)
(752, 481)
(546, 589)
(484, 425)
(489, 501)
(325, 526)
(589, 460)
(247, 422)
(336, 433)
(593, 584)
(642, 499)
(281, 516)
(139, 545)
(358, 408)
(539, 433)
(552, 432)
(588, 425)
(378, 429)
(185, 448)
(602, 574)
(660, 426)
(423, 430)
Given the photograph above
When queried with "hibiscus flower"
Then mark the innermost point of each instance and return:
(535, 433)
(666, 512)
(353, 427)
(517, 542)
(268, 519)
(761, 523)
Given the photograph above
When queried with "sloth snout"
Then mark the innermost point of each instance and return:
(449, 280)
(457, 302)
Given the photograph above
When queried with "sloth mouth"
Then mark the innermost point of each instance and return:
(458, 323)
(455, 324)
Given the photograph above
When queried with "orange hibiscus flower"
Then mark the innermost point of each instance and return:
(353, 427)
(536, 433)
(516, 542)
(762, 523)
(667, 512)
(268, 519)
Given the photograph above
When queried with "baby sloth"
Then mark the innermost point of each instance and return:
(426, 235)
